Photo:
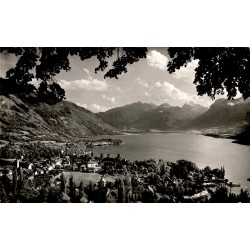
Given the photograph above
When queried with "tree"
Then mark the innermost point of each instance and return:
(81, 190)
(220, 195)
(72, 188)
(218, 69)
(45, 63)
(90, 191)
(15, 181)
(63, 184)
(121, 191)
(101, 157)
(54, 195)
(3, 195)
(244, 196)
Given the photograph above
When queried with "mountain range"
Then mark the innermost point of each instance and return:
(147, 116)
(223, 112)
(23, 118)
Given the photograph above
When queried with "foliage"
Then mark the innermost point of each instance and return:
(182, 168)
(121, 191)
(222, 194)
(218, 69)
(48, 62)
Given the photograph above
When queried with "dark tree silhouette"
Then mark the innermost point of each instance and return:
(121, 191)
(72, 188)
(48, 62)
(81, 190)
(63, 183)
(218, 69)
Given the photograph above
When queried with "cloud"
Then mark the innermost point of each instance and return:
(142, 83)
(118, 89)
(111, 99)
(172, 92)
(81, 104)
(89, 84)
(97, 108)
(87, 71)
(147, 94)
(187, 72)
(157, 60)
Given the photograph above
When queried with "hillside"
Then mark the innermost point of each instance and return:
(123, 117)
(223, 112)
(22, 118)
(145, 116)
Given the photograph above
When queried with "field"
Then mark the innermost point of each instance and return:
(86, 178)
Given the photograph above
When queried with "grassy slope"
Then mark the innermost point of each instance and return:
(22, 120)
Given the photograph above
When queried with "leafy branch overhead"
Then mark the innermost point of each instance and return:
(218, 70)
(46, 63)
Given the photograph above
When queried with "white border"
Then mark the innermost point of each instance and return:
(127, 23)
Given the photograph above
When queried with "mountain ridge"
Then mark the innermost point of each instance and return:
(146, 116)
(22, 118)
(223, 112)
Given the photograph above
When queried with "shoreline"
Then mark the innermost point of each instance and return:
(232, 136)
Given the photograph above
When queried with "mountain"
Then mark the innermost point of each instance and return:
(196, 109)
(166, 117)
(22, 117)
(123, 117)
(223, 112)
(145, 116)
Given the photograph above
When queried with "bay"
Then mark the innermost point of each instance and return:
(202, 150)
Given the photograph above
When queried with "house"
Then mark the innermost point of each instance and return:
(92, 166)
(83, 168)
(31, 166)
(58, 165)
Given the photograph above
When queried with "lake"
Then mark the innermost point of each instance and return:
(202, 150)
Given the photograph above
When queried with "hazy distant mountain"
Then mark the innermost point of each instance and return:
(195, 108)
(164, 106)
(223, 112)
(167, 117)
(144, 116)
(123, 117)
(23, 119)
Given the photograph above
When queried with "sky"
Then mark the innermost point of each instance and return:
(147, 81)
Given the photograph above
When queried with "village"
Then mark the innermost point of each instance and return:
(88, 178)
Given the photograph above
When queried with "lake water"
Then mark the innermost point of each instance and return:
(202, 150)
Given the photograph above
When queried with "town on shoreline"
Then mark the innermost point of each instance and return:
(52, 175)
